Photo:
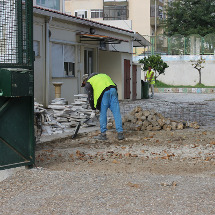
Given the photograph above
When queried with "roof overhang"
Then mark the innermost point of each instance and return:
(95, 37)
(140, 41)
(73, 19)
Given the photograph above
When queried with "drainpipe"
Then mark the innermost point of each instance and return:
(47, 76)
(155, 25)
(62, 6)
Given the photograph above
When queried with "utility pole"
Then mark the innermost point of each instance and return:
(155, 25)
(155, 18)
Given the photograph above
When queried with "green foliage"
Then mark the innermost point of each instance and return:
(157, 64)
(200, 86)
(187, 17)
(160, 84)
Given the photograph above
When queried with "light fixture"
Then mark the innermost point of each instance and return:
(92, 30)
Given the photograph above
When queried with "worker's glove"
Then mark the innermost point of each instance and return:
(93, 114)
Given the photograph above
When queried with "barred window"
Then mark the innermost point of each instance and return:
(51, 4)
(96, 13)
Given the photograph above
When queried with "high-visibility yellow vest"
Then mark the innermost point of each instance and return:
(148, 75)
(99, 83)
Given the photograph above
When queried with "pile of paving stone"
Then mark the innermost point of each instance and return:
(139, 120)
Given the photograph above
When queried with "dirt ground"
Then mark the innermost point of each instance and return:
(185, 152)
(149, 172)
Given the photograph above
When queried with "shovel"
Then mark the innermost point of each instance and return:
(78, 127)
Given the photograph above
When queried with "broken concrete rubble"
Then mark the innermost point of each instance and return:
(61, 117)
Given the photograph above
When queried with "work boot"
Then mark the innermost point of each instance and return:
(120, 136)
(101, 136)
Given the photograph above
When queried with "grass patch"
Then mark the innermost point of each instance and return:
(160, 84)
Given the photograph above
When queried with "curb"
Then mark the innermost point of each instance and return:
(185, 90)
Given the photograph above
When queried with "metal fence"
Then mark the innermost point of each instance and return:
(15, 33)
(181, 45)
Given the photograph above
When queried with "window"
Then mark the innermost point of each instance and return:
(160, 12)
(88, 61)
(115, 13)
(69, 69)
(81, 14)
(63, 60)
(51, 4)
(96, 13)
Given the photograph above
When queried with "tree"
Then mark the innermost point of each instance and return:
(198, 65)
(187, 17)
(157, 64)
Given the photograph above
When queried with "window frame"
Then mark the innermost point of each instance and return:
(64, 72)
(99, 11)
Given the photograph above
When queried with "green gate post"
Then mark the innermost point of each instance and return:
(17, 142)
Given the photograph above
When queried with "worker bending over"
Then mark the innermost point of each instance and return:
(102, 94)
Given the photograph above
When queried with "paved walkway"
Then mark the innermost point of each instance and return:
(178, 106)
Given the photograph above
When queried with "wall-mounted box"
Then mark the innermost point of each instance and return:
(16, 82)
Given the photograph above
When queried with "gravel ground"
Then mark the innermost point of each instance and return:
(40, 191)
(152, 173)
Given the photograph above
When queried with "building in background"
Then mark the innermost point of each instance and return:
(142, 16)
(67, 47)
(57, 5)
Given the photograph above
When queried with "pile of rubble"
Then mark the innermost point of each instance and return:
(61, 117)
(140, 120)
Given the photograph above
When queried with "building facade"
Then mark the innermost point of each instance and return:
(57, 5)
(142, 16)
(67, 47)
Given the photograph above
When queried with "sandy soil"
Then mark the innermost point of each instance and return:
(186, 151)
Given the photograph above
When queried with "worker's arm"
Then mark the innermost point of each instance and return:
(151, 76)
(89, 91)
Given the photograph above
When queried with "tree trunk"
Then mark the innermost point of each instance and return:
(200, 78)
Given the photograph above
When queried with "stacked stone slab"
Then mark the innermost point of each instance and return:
(139, 120)
(61, 117)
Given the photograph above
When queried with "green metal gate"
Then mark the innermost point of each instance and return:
(16, 84)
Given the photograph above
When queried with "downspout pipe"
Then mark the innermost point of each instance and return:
(47, 57)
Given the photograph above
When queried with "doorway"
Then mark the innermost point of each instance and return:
(127, 79)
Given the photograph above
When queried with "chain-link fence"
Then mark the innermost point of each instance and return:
(181, 45)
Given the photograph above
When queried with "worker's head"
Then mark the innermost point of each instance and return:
(149, 67)
(84, 80)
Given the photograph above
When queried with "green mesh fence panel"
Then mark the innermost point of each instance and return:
(15, 33)
(176, 45)
(180, 45)
(209, 44)
(193, 45)
(161, 44)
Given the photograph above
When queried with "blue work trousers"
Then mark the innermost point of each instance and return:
(110, 100)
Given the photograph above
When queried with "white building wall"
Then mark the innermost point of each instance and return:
(39, 64)
(64, 32)
(181, 71)
(106, 62)
(116, 72)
